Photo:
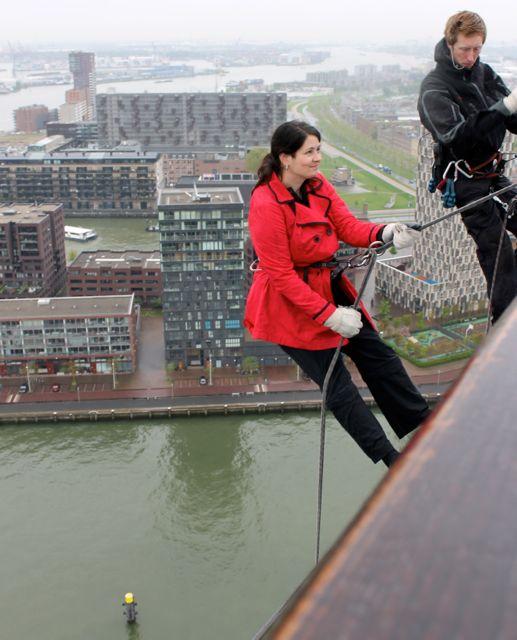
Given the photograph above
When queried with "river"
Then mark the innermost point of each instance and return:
(340, 58)
(210, 522)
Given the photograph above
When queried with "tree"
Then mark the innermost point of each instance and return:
(385, 309)
(250, 364)
(254, 158)
(170, 368)
(420, 320)
(72, 255)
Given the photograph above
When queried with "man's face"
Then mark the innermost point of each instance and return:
(465, 51)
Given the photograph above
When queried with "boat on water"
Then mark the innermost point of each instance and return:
(152, 227)
(82, 234)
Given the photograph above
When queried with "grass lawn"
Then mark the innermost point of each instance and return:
(478, 330)
(17, 139)
(340, 133)
(445, 348)
(378, 193)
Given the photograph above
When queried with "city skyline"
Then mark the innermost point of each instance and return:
(262, 22)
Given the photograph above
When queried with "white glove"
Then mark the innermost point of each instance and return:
(402, 235)
(345, 321)
(510, 102)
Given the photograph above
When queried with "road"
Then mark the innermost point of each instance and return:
(251, 398)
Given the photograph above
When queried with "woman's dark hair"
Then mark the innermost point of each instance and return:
(287, 138)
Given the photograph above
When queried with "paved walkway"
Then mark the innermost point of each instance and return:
(150, 371)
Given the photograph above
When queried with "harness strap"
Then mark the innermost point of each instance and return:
(496, 159)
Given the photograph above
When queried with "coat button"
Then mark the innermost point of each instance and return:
(329, 232)
(316, 238)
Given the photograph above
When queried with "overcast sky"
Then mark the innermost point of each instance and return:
(229, 21)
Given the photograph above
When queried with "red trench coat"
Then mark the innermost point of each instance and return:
(287, 305)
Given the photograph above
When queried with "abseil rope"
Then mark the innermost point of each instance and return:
(369, 257)
(505, 208)
(372, 250)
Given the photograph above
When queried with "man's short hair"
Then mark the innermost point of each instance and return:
(466, 23)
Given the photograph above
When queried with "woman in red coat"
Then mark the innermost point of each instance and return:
(296, 220)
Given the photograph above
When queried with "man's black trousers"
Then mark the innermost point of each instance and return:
(391, 387)
(484, 224)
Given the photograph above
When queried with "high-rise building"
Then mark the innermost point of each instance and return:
(31, 118)
(202, 245)
(444, 270)
(102, 182)
(167, 121)
(32, 250)
(82, 66)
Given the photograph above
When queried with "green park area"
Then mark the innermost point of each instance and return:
(430, 347)
(475, 329)
(342, 134)
(374, 193)
(426, 342)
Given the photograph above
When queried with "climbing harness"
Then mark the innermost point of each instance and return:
(368, 258)
(491, 168)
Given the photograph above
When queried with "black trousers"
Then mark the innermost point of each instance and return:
(391, 387)
(484, 225)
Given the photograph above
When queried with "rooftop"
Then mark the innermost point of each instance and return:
(125, 259)
(57, 308)
(99, 155)
(197, 197)
(20, 212)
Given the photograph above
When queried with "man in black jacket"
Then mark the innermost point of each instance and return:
(468, 109)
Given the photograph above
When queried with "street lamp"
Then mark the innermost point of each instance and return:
(208, 343)
(28, 377)
(113, 373)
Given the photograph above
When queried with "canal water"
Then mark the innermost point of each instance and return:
(114, 234)
(210, 522)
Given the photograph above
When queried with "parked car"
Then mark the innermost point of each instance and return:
(56, 387)
(23, 388)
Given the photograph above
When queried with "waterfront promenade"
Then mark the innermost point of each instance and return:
(150, 386)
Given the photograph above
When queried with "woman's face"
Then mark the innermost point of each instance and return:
(305, 162)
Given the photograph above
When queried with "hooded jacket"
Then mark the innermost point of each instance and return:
(288, 303)
(463, 109)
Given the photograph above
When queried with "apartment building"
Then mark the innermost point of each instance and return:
(79, 134)
(102, 182)
(31, 118)
(163, 121)
(32, 250)
(202, 245)
(103, 273)
(69, 335)
(82, 66)
(197, 163)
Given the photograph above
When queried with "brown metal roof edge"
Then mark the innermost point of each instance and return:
(313, 599)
